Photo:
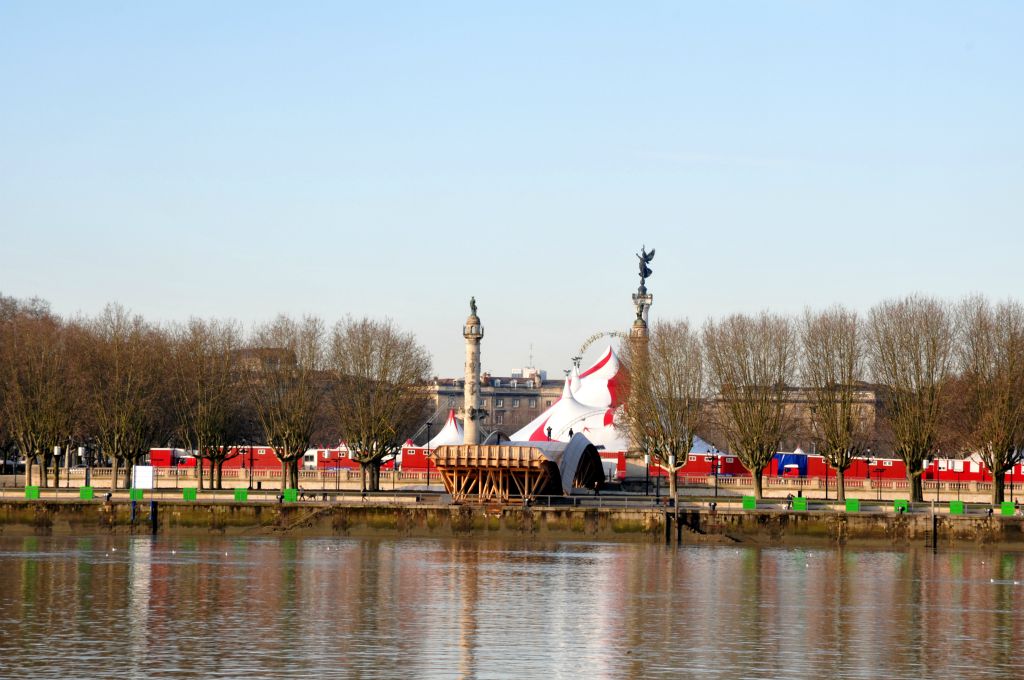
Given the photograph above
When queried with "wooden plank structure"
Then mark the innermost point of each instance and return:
(507, 473)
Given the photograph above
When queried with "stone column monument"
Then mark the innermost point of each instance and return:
(473, 331)
(642, 300)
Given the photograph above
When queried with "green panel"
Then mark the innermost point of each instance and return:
(799, 503)
(85, 493)
(189, 494)
(956, 507)
(291, 495)
(136, 494)
(32, 492)
(749, 503)
(1007, 509)
(241, 495)
(853, 505)
(901, 503)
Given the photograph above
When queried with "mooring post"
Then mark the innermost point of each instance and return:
(668, 528)
(935, 532)
(679, 528)
(153, 519)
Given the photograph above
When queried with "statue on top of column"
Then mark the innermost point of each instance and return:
(645, 271)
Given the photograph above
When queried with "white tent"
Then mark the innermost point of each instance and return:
(451, 433)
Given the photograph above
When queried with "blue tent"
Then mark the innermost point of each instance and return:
(784, 459)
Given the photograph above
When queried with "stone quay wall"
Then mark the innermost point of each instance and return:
(654, 525)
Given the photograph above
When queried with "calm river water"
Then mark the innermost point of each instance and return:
(106, 607)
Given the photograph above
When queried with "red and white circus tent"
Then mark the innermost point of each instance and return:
(587, 406)
(450, 434)
(414, 457)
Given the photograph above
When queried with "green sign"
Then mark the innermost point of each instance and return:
(32, 492)
(241, 495)
(136, 494)
(956, 507)
(853, 505)
(1007, 509)
(901, 504)
(800, 503)
(292, 495)
(189, 493)
(749, 503)
(85, 493)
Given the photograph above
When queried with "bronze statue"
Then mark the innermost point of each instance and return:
(645, 271)
(472, 306)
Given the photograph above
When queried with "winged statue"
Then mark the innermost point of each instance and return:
(645, 259)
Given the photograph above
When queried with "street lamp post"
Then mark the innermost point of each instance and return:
(427, 463)
(718, 461)
(657, 485)
(56, 467)
(826, 477)
(647, 474)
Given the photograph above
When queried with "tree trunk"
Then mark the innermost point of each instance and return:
(757, 476)
(998, 487)
(375, 476)
(362, 476)
(128, 465)
(916, 488)
(29, 461)
(840, 485)
(199, 468)
(672, 484)
(293, 470)
(113, 474)
(56, 476)
(215, 474)
(44, 474)
(284, 475)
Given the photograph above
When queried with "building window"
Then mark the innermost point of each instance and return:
(497, 382)
(498, 403)
(548, 403)
(693, 457)
(515, 403)
(485, 401)
(499, 418)
(887, 463)
(533, 403)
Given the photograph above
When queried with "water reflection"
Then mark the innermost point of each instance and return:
(106, 607)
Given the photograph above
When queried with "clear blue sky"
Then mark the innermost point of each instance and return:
(392, 159)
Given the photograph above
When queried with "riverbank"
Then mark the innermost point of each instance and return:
(695, 525)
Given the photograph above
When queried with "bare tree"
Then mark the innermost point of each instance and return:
(37, 398)
(125, 378)
(208, 396)
(833, 369)
(991, 359)
(377, 375)
(911, 352)
(284, 374)
(751, 362)
(665, 404)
